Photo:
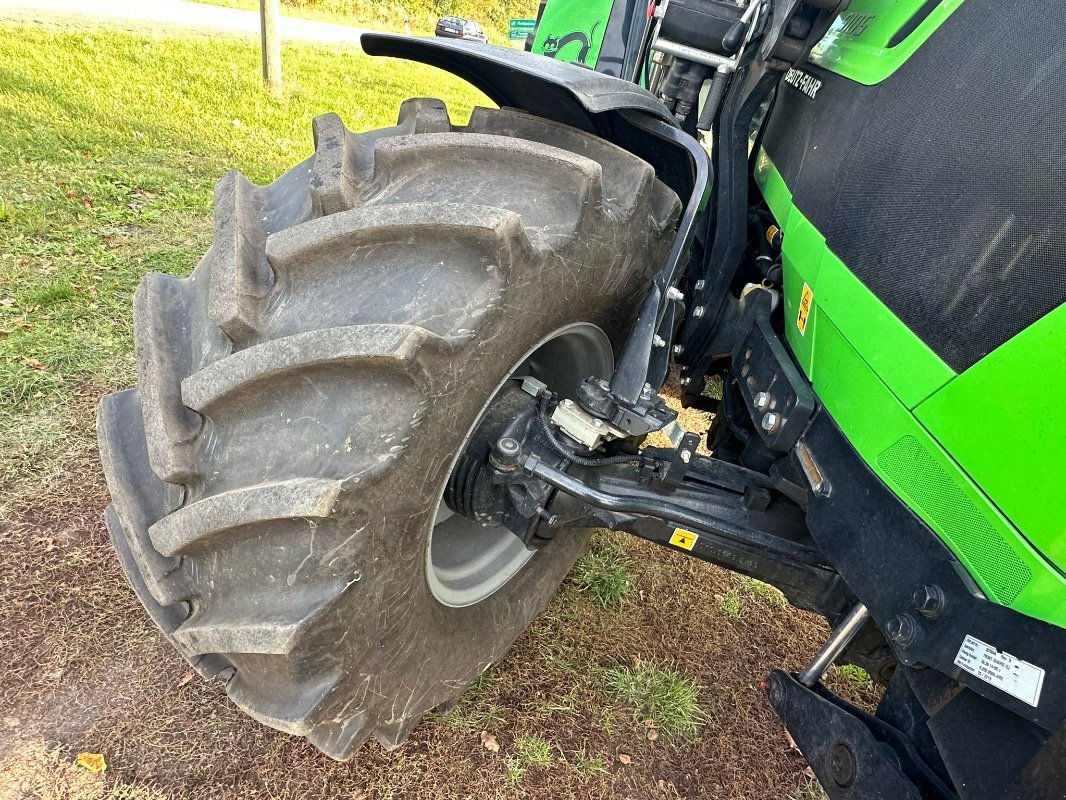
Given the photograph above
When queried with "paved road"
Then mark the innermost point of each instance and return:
(168, 14)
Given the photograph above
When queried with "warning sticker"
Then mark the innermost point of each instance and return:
(1006, 672)
(686, 540)
(806, 299)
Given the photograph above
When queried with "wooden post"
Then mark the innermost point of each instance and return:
(269, 14)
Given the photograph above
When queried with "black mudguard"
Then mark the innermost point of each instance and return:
(616, 110)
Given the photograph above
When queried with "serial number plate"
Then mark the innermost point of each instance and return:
(1006, 672)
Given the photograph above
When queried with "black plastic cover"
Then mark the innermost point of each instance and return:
(705, 24)
(943, 188)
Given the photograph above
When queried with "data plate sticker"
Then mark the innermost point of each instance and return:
(1010, 674)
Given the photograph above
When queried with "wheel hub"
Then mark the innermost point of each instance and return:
(468, 560)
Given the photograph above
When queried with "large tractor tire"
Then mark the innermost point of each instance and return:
(277, 475)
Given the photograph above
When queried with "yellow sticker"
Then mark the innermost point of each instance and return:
(806, 301)
(686, 540)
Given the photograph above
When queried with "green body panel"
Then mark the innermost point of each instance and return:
(573, 32)
(1016, 457)
(872, 373)
(905, 363)
(857, 46)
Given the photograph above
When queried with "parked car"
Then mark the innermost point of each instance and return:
(459, 28)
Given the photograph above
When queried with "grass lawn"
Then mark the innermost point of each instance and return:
(641, 679)
(110, 149)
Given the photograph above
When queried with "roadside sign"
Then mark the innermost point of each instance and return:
(520, 28)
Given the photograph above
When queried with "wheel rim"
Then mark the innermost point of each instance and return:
(465, 562)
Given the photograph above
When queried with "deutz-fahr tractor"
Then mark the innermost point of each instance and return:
(374, 426)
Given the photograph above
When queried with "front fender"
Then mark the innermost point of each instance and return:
(616, 110)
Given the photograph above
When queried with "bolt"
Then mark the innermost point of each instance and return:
(775, 692)
(686, 380)
(770, 421)
(762, 401)
(686, 456)
(929, 600)
(597, 423)
(902, 629)
(697, 312)
(568, 403)
(679, 349)
(547, 516)
(843, 768)
(508, 446)
(673, 293)
(700, 284)
(659, 341)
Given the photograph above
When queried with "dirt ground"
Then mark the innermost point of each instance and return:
(84, 670)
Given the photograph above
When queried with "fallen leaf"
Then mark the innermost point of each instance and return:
(87, 201)
(653, 734)
(624, 759)
(7, 301)
(33, 363)
(184, 679)
(791, 742)
(489, 742)
(94, 762)
(71, 194)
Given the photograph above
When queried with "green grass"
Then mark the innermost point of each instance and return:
(533, 751)
(661, 699)
(585, 764)
(855, 674)
(421, 15)
(809, 789)
(604, 575)
(759, 591)
(730, 603)
(110, 149)
(530, 752)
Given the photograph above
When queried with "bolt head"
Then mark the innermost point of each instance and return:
(902, 629)
(698, 311)
(700, 284)
(686, 456)
(659, 341)
(770, 421)
(508, 446)
(568, 403)
(673, 293)
(929, 600)
(679, 349)
(597, 423)
(762, 401)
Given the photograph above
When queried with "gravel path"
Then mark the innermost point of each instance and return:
(168, 14)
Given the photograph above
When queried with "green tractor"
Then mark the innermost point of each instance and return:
(375, 425)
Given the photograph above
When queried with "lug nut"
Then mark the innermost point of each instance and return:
(673, 293)
(679, 349)
(762, 401)
(686, 456)
(770, 421)
(700, 284)
(697, 312)
(658, 341)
